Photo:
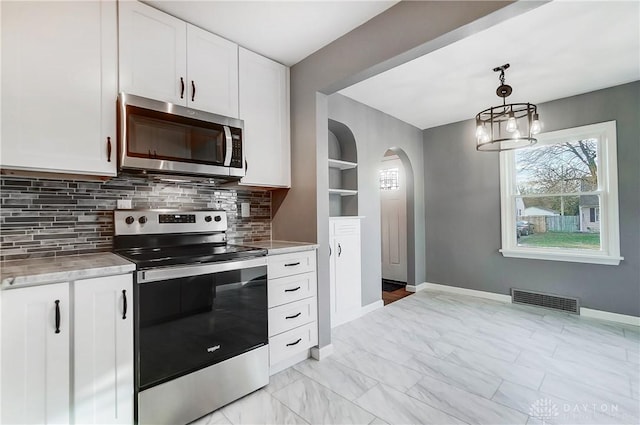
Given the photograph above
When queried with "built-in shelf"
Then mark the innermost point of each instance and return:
(342, 165)
(343, 192)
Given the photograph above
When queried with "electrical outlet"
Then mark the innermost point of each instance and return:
(124, 204)
(245, 209)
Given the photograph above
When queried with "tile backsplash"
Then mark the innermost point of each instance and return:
(42, 217)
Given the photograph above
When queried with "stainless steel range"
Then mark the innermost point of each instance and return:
(200, 313)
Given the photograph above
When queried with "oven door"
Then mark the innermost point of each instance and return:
(189, 318)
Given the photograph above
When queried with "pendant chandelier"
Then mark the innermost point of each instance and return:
(508, 126)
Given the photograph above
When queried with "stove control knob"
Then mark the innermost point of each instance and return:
(208, 219)
(129, 220)
(142, 220)
(218, 218)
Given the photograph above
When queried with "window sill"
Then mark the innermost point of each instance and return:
(562, 256)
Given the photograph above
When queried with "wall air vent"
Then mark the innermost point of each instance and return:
(555, 302)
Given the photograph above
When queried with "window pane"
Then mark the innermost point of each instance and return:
(558, 222)
(569, 167)
(389, 179)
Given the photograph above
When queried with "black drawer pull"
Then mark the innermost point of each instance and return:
(181, 88)
(294, 316)
(124, 304)
(108, 149)
(292, 264)
(294, 343)
(57, 316)
(292, 290)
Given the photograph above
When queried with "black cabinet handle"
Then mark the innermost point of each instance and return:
(292, 264)
(181, 88)
(246, 165)
(57, 316)
(292, 290)
(294, 316)
(108, 149)
(193, 90)
(294, 343)
(124, 304)
(339, 250)
(329, 251)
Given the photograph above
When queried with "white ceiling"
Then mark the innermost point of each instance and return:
(557, 50)
(285, 31)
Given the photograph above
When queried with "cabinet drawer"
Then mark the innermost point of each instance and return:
(291, 288)
(345, 227)
(292, 342)
(289, 264)
(292, 315)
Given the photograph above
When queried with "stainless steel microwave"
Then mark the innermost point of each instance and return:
(159, 137)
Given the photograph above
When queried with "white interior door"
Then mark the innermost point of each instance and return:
(394, 223)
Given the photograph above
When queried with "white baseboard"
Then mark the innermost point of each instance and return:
(611, 317)
(416, 288)
(321, 353)
(464, 291)
(371, 307)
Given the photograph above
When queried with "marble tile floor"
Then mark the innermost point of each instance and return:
(437, 358)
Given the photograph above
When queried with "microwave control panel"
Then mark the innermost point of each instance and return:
(236, 155)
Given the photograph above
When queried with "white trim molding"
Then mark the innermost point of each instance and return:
(464, 291)
(371, 307)
(416, 288)
(321, 353)
(611, 317)
(287, 363)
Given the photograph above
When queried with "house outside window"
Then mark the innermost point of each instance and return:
(560, 197)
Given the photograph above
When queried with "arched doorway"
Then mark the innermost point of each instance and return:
(396, 190)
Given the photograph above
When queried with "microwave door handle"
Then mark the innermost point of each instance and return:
(229, 146)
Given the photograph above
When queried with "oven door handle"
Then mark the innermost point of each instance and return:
(166, 273)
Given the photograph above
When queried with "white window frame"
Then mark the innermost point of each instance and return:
(609, 252)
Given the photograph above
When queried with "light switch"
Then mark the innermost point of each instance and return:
(124, 204)
(245, 209)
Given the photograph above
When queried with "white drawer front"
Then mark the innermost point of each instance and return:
(345, 227)
(292, 315)
(290, 264)
(292, 342)
(291, 288)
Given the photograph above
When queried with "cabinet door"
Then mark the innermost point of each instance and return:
(212, 68)
(59, 86)
(103, 351)
(35, 359)
(264, 107)
(347, 277)
(153, 53)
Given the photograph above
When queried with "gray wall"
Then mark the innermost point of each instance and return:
(463, 210)
(402, 33)
(375, 132)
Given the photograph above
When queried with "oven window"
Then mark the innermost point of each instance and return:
(158, 135)
(189, 323)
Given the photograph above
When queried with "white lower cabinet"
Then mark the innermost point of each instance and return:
(103, 350)
(35, 355)
(39, 324)
(345, 279)
(293, 306)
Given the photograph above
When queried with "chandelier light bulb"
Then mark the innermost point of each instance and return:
(480, 132)
(511, 123)
(536, 127)
(516, 134)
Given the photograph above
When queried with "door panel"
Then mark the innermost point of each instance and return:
(35, 359)
(394, 226)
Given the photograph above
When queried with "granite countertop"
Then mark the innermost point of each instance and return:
(282, 247)
(40, 271)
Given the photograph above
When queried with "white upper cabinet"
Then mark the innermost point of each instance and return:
(35, 355)
(153, 53)
(167, 59)
(264, 107)
(103, 350)
(59, 87)
(212, 66)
